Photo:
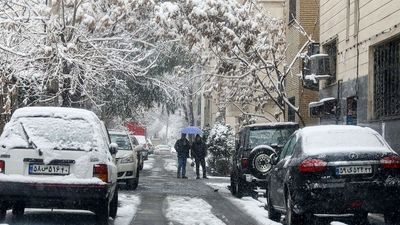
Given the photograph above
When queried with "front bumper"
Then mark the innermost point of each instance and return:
(71, 196)
(126, 171)
(342, 198)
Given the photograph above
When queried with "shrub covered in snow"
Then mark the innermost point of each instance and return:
(220, 144)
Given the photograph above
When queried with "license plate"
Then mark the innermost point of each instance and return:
(48, 169)
(350, 170)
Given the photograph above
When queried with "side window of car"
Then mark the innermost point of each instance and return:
(285, 149)
(291, 147)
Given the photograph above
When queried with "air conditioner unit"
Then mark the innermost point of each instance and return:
(320, 66)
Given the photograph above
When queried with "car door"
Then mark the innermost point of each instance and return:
(278, 174)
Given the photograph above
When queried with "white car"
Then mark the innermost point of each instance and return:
(57, 158)
(144, 144)
(127, 159)
(163, 150)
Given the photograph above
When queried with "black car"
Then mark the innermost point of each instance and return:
(334, 169)
(252, 158)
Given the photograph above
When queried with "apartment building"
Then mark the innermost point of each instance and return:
(306, 13)
(362, 39)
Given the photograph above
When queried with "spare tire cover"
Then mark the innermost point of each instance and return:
(260, 161)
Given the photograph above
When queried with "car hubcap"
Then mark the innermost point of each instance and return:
(263, 163)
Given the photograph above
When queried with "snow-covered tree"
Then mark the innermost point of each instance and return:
(220, 147)
(246, 45)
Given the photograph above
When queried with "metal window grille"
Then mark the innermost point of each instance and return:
(387, 80)
(331, 50)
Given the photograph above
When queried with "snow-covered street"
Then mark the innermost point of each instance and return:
(162, 199)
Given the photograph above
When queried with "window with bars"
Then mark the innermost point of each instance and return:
(387, 80)
(331, 50)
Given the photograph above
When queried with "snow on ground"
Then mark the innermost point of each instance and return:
(187, 210)
(128, 205)
(148, 164)
(170, 165)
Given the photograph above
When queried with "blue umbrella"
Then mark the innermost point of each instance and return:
(191, 130)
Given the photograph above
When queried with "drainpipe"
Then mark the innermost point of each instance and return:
(338, 112)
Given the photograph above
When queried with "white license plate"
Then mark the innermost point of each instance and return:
(48, 169)
(350, 170)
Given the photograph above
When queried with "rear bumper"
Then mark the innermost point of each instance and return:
(342, 198)
(75, 196)
(254, 181)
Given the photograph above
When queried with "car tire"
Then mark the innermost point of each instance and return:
(114, 205)
(392, 218)
(103, 212)
(260, 162)
(133, 183)
(240, 187)
(3, 212)
(291, 217)
(233, 184)
(18, 210)
(272, 213)
(360, 218)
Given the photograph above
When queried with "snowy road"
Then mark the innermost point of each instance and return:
(162, 199)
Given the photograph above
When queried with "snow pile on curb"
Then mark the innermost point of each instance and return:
(187, 210)
(170, 165)
(148, 164)
(128, 208)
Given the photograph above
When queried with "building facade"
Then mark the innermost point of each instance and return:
(306, 12)
(362, 39)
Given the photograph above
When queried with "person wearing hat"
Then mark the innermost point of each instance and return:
(182, 147)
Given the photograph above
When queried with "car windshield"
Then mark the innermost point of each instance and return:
(50, 133)
(122, 141)
(269, 136)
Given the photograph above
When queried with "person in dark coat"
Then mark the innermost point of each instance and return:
(199, 152)
(182, 147)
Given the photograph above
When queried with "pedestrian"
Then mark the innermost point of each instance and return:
(199, 152)
(182, 147)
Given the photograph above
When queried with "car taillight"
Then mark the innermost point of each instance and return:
(101, 171)
(2, 166)
(312, 165)
(391, 162)
(244, 163)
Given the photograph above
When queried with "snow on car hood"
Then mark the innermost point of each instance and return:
(124, 154)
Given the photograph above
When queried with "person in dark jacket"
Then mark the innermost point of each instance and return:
(199, 152)
(182, 147)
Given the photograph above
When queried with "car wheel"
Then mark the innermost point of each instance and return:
(272, 213)
(114, 205)
(360, 218)
(291, 217)
(18, 210)
(392, 218)
(240, 187)
(3, 212)
(103, 212)
(134, 182)
(233, 184)
(260, 162)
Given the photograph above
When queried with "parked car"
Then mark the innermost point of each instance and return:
(162, 150)
(252, 158)
(57, 158)
(127, 159)
(334, 170)
(143, 143)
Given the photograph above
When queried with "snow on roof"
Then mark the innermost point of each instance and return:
(320, 102)
(336, 138)
(141, 139)
(272, 124)
(117, 132)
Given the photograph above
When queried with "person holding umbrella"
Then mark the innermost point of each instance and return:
(199, 152)
(182, 147)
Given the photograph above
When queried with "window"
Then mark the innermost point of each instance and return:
(288, 148)
(291, 112)
(387, 80)
(331, 50)
(292, 10)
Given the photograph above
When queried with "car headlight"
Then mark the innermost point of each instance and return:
(129, 159)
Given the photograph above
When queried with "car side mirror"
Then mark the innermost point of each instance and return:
(113, 148)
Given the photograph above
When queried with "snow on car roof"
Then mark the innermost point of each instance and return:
(141, 139)
(117, 132)
(336, 138)
(272, 124)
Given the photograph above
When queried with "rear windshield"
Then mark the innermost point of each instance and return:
(49, 133)
(269, 136)
(322, 142)
(122, 141)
